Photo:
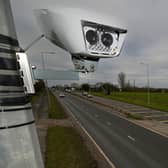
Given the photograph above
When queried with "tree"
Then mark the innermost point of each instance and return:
(85, 87)
(106, 88)
(75, 85)
(39, 86)
(122, 80)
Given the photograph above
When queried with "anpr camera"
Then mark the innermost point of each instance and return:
(87, 36)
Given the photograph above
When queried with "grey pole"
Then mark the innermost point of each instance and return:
(44, 68)
(19, 145)
(148, 82)
(134, 83)
(33, 68)
(46, 82)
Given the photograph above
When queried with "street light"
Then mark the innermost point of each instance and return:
(148, 81)
(33, 67)
(44, 68)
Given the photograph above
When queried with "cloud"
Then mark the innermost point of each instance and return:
(146, 41)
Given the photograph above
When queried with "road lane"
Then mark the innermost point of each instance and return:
(125, 144)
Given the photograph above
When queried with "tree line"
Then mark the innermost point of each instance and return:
(105, 87)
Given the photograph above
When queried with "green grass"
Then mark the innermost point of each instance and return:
(34, 97)
(158, 101)
(65, 149)
(134, 116)
(55, 109)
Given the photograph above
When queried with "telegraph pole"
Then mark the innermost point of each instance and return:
(19, 144)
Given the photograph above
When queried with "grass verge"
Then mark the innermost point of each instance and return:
(134, 116)
(65, 149)
(55, 110)
(158, 101)
(33, 98)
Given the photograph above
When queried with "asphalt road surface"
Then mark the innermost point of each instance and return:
(125, 144)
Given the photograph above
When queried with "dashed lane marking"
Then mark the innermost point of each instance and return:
(131, 138)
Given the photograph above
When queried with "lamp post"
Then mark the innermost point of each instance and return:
(44, 68)
(148, 81)
(33, 67)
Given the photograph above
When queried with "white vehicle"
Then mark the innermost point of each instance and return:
(86, 35)
(89, 96)
(61, 95)
(68, 90)
(84, 93)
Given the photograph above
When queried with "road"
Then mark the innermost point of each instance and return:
(125, 144)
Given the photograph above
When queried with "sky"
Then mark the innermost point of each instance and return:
(146, 41)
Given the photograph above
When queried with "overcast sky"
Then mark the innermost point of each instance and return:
(146, 41)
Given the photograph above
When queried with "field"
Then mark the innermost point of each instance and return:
(65, 149)
(158, 101)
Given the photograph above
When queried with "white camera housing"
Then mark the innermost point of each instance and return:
(86, 35)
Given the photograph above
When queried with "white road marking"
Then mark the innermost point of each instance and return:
(94, 142)
(130, 137)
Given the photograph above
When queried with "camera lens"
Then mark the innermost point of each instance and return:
(107, 39)
(92, 37)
